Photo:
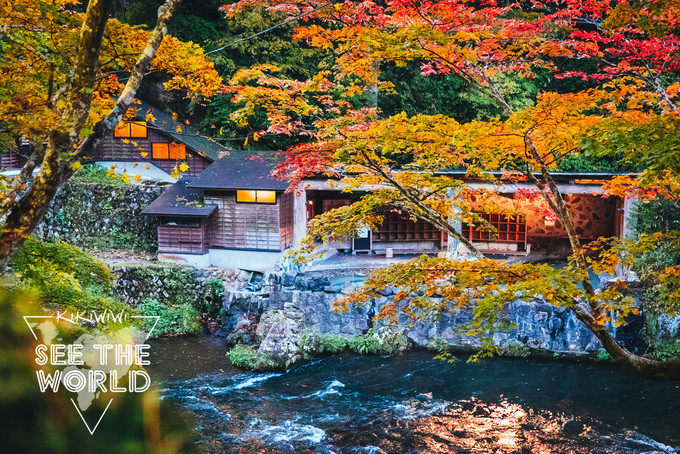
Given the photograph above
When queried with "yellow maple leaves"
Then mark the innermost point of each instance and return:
(40, 40)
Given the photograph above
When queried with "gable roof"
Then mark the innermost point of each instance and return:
(240, 170)
(179, 200)
(188, 135)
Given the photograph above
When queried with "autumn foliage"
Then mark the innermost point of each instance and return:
(39, 40)
(623, 60)
(67, 78)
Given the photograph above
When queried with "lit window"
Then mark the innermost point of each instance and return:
(256, 196)
(130, 129)
(159, 150)
(266, 197)
(177, 151)
(168, 151)
(246, 196)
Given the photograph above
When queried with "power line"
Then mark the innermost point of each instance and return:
(280, 24)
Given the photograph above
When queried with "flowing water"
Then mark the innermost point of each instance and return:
(415, 403)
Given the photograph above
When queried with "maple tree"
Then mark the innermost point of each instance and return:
(632, 48)
(67, 79)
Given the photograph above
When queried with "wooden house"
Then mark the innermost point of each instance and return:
(15, 158)
(184, 219)
(529, 230)
(234, 214)
(152, 137)
(155, 138)
(532, 228)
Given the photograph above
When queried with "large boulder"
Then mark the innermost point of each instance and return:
(281, 339)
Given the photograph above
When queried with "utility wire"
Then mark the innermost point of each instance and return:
(280, 24)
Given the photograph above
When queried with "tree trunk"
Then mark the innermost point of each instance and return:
(593, 315)
(62, 146)
(24, 217)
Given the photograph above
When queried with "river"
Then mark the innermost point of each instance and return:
(415, 403)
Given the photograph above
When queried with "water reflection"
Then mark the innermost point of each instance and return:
(413, 403)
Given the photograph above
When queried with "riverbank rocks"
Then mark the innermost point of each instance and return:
(301, 319)
(244, 330)
(280, 333)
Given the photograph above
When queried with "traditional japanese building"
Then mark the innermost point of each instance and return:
(235, 214)
(15, 158)
(151, 138)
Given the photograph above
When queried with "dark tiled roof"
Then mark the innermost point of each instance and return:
(188, 135)
(239, 170)
(179, 200)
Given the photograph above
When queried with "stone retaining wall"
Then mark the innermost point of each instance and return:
(168, 283)
(538, 325)
(301, 306)
(102, 216)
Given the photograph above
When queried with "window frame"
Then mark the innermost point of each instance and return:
(168, 147)
(127, 125)
(179, 222)
(256, 191)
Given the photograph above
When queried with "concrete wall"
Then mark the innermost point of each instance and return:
(227, 258)
(197, 260)
(247, 260)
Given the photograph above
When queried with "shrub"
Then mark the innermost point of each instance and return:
(96, 174)
(264, 363)
(666, 350)
(43, 263)
(242, 357)
(602, 355)
(332, 344)
(178, 319)
(364, 345)
(214, 295)
(385, 340)
(245, 357)
(66, 278)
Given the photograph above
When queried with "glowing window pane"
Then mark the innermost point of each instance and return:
(177, 151)
(137, 129)
(122, 130)
(266, 196)
(245, 196)
(159, 150)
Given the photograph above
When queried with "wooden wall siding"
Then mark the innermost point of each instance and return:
(244, 225)
(185, 240)
(594, 216)
(287, 219)
(10, 159)
(114, 149)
